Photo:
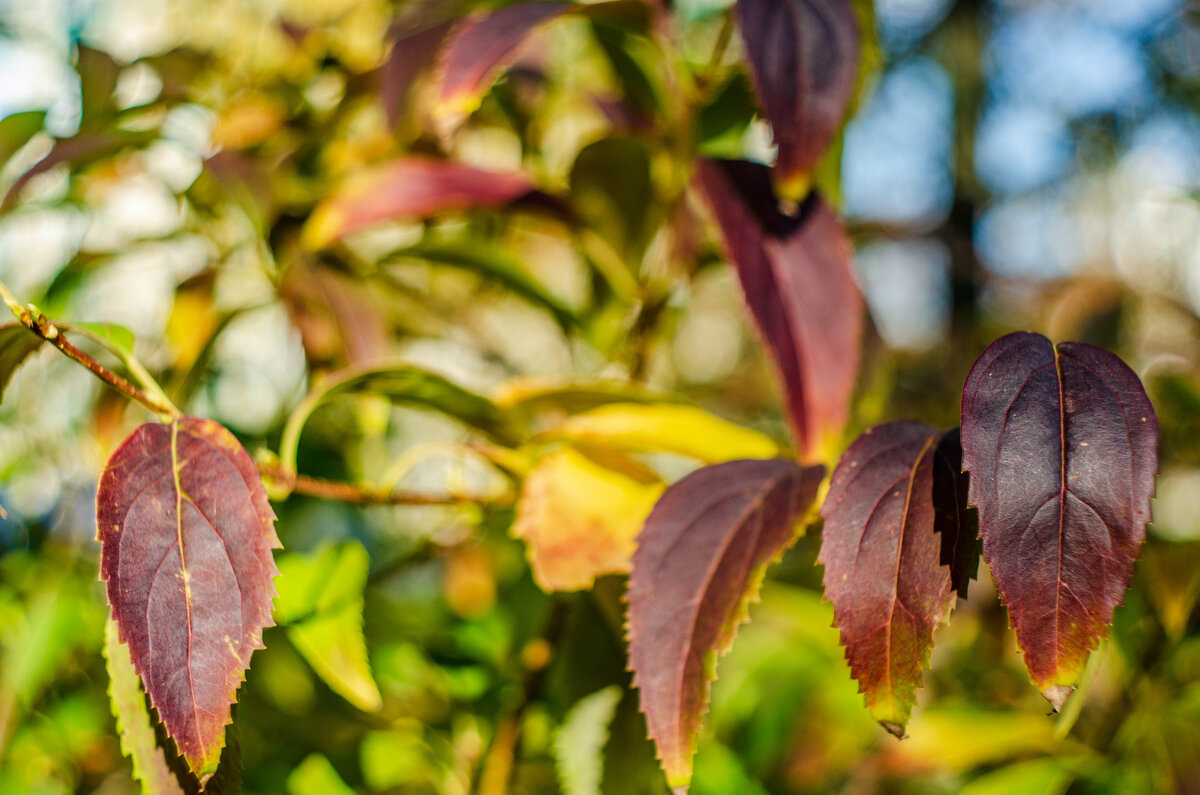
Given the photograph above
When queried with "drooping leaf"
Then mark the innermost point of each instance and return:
(412, 53)
(17, 343)
(16, 129)
(797, 276)
(654, 427)
(699, 562)
(955, 523)
(1061, 445)
(186, 535)
(480, 47)
(882, 556)
(803, 57)
(612, 190)
(133, 719)
(410, 187)
(579, 742)
(579, 519)
(321, 605)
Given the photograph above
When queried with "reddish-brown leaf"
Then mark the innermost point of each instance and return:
(408, 188)
(803, 56)
(797, 275)
(699, 562)
(412, 53)
(882, 554)
(1061, 445)
(481, 46)
(186, 535)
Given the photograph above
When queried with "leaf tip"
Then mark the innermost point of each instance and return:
(894, 729)
(1057, 695)
(680, 790)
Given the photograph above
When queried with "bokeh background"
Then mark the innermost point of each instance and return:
(1010, 165)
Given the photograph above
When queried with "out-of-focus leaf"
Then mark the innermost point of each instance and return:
(316, 776)
(579, 519)
(541, 394)
(879, 522)
(1173, 579)
(723, 122)
(1037, 777)
(16, 130)
(960, 738)
(77, 151)
(408, 188)
(494, 265)
(119, 338)
(803, 55)
(612, 191)
(579, 742)
(480, 47)
(17, 343)
(633, 67)
(133, 719)
(97, 78)
(321, 605)
(1061, 445)
(699, 563)
(652, 427)
(798, 279)
(412, 53)
(401, 383)
(186, 534)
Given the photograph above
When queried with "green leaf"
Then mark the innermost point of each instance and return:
(579, 742)
(321, 603)
(17, 129)
(1038, 777)
(612, 191)
(133, 719)
(683, 430)
(118, 339)
(17, 343)
(316, 776)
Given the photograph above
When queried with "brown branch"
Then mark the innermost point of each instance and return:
(348, 492)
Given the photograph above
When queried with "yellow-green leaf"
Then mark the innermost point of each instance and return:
(321, 604)
(579, 742)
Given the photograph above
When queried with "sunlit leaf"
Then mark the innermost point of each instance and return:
(579, 519)
(699, 562)
(186, 535)
(17, 343)
(321, 605)
(316, 776)
(958, 738)
(1036, 777)
(803, 55)
(579, 742)
(797, 276)
(653, 427)
(1061, 445)
(883, 568)
(16, 129)
(133, 719)
(411, 187)
(412, 53)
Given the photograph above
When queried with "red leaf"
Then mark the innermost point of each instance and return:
(481, 46)
(798, 279)
(803, 56)
(882, 554)
(186, 535)
(408, 188)
(1062, 450)
(699, 562)
(412, 53)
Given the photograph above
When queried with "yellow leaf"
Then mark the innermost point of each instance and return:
(579, 519)
(683, 430)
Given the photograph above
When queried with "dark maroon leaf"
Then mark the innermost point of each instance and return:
(803, 56)
(883, 568)
(699, 562)
(186, 535)
(798, 280)
(1061, 445)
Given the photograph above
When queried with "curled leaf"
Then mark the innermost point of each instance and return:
(1061, 444)
(883, 563)
(797, 276)
(699, 562)
(803, 56)
(186, 535)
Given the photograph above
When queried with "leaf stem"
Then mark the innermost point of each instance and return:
(37, 323)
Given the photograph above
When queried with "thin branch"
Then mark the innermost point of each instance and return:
(348, 492)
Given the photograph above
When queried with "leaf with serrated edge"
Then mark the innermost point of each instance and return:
(1061, 445)
(321, 603)
(797, 275)
(186, 534)
(700, 560)
(133, 719)
(683, 430)
(883, 572)
(579, 742)
(803, 55)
